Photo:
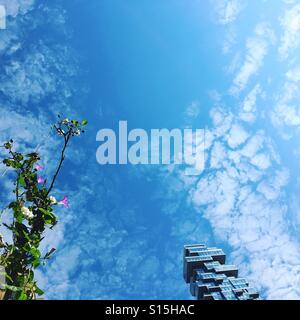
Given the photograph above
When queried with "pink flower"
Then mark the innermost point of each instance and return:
(38, 167)
(41, 180)
(64, 202)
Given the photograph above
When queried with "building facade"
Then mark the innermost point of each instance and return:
(210, 278)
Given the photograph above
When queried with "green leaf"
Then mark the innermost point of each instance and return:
(36, 263)
(22, 181)
(35, 252)
(84, 122)
(39, 291)
(26, 235)
(7, 145)
(13, 205)
(44, 211)
(31, 276)
(33, 155)
(12, 288)
(18, 216)
(49, 217)
(8, 277)
(48, 254)
(27, 247)
(8, 162)
(23, 296)
(36, 257)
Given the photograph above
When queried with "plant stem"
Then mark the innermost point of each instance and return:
(62, 158)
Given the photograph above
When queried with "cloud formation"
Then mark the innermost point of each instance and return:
(286, 113)
(227, 10)
(290, 39)
(245, 190)
(256, 50)
(242, 195)
(15, 7)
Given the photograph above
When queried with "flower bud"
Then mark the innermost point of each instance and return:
(66, 121)
(52, 200)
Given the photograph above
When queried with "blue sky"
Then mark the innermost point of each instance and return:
(231, 66)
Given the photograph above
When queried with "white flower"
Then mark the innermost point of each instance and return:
(61, 132)
(52, 200)
(77, 132)
(66, 121)
(27, 213)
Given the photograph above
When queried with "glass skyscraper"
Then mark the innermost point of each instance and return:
(210, 278)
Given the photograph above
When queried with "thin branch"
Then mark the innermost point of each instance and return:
(17, 188)
(62, 158)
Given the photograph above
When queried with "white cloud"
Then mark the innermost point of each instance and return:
(192, 111)
(237, 136)
(248, 113)
(253, 146)
(217, 155)
(290, 23)
(227, 10)
(256, 51)
(271, 189)
(286, 113)
(30, 79)
(289, 1)
(230, 40)
(38, 73)
(28, 132)
(294, 74)
(261, 160)
(15, 7)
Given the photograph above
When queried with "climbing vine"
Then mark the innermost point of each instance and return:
(32, 212)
